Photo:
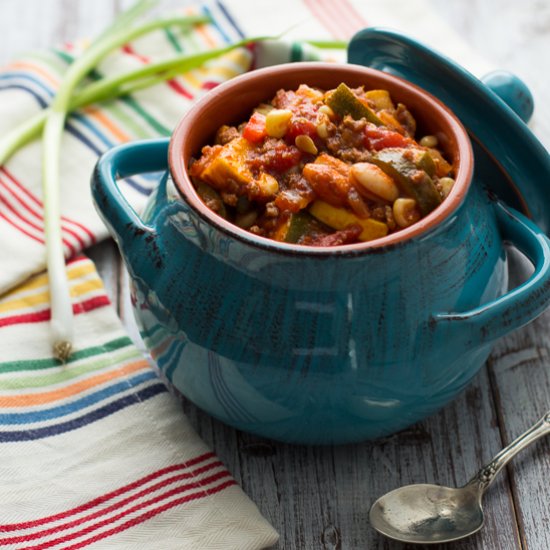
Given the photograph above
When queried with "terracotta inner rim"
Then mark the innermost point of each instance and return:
(232, 102)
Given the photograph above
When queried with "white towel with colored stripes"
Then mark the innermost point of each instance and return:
(97, 453)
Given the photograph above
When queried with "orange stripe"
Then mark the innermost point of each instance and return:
(202, 29)
(95, 112)
(78, 387)
(161, 348)
(35, 68)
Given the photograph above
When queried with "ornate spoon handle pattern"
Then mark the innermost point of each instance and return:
(483, 479)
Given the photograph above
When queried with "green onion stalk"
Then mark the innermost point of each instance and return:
(110, 88)
(116, 36)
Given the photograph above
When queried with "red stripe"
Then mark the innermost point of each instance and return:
(150, 514)
(19, 228)
(107, 496)
(323, 18)
(174, 84)
(19, 216)
(83, 228)
(119, 504)
(177, 490)
(336, 12)
(20, 186)
(209, 84)
(356, 19)
(39, 203)
(27, 221)
(177, 87)
(46, 314)
(127, 48)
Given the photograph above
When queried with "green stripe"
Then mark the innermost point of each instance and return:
(38, 364)
(64, 374)
(153, 122)
(53, 62)
(64, 56)
(117, 112)
(154, 340)
(296, 52)
(173, 40)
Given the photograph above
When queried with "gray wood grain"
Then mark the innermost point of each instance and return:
(318, 497)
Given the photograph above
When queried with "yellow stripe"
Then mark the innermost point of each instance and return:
(73, 272)
(240, 57)
(197, 77)
(34, 300)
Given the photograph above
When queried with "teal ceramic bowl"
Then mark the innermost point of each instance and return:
(317, 345)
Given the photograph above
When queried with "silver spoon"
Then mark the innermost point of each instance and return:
(430, 514)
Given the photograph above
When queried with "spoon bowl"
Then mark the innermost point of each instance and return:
(428, 514)
(431, 514)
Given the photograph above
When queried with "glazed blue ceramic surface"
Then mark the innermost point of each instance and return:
(316, 348)
(354, 345)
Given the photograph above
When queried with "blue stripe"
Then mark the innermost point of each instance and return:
(230, 19)
(71, 129)
(85, 122)
(94, 416)
(68, 408)
(41, 101)
(19, 75)
(215, 24)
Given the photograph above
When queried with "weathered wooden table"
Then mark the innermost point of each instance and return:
(320, 497)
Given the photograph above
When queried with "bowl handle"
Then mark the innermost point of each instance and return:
(519, 306)
(119, 162)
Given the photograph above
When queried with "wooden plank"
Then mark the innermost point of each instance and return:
(520, 378)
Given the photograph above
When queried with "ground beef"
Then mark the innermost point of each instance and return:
(225, 134)
(346, 140)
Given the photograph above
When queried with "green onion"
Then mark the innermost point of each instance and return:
(110, 88)
(117, 35)
(328, 44)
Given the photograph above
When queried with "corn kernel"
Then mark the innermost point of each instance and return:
(429, 141)
(405, 212)
(374, 180)
(306, 144)
(276, 122)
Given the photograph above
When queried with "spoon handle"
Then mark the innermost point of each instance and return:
(487, 474)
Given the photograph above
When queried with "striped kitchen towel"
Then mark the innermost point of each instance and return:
(97, 452)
